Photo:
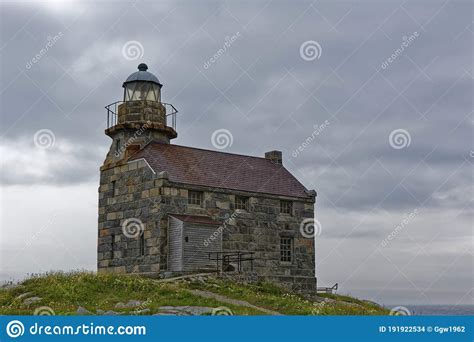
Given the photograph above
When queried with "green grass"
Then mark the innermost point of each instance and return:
(65, 292)
(274, 298)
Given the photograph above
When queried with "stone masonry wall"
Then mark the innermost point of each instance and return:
(142, 111)
(141, 194)
(120, 207)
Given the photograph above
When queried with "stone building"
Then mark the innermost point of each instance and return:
(166, 209)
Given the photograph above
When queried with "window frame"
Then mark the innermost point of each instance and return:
(196, 201)
(112, 245)
(114, 186)
(238, 202)
(118, 146)
(286, 249)
(288, 210)
(141, 244)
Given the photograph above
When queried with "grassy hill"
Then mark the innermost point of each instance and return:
(88, 293)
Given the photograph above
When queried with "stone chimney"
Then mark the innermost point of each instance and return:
(274, 156)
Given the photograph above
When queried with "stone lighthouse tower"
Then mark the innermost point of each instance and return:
(140, 118)
(129, 237)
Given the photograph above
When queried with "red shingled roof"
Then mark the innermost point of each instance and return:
(222, 170)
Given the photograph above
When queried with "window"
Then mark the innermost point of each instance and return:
(142, 244)
(112, 245)
(241, 202)
(195, 197)
(286, 249)
(113, 188)
(286, 207)
(117, 146)
(142, 90)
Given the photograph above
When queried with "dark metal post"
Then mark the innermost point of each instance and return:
(239, 262)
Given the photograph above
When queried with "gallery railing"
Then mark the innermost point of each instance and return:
(112, 113)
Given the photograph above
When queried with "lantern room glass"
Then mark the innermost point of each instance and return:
(140, 91)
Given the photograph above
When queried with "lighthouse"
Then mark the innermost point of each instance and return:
(167, 209)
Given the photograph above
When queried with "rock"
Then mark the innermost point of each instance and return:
(185, 310)
(174, 313)
(23, 295)
(133, 303)
(130, 304)
(120, 305)
(83, 311)
(172, 310)
(100, 312)
(371, 303)
(199, 310)
(140, 312)
(315, 299)
(31, 300)
(111, 313)
(329, 300)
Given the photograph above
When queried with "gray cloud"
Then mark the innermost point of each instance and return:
(269, 98)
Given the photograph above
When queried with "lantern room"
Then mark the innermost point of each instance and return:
(141, 107)
(142, 86)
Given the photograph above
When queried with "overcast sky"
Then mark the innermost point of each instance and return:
(370, 103)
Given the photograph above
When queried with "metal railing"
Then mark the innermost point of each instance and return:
(327, 289)
(112, 113)
(224, 259)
